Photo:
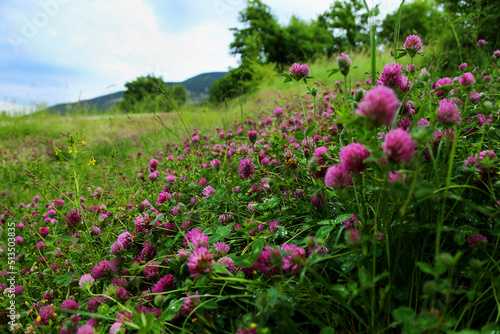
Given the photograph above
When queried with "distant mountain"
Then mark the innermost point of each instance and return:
(198, 88)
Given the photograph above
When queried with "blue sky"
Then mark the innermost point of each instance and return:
(54, 51)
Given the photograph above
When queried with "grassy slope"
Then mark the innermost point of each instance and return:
(128, 134)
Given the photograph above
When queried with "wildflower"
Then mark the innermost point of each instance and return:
(399, 146)
(352, 157)
(94, 304)
(200, 262)
(299, 72)
(353, 237)
(496, 54)
(462, 66)
(481, 42)
(391, 76)
(73, 218)
(273, 226)
(413, 45)
(412, 69)
(202, 181)
(251, 207)
(86, 281)
(467, 79)
(476, 240)
(278, 112)
(474, 98)
(320, 153)
(405, 85)
(269, 261)
(164, 284)
(163, 197)
(153, 164)
(395, 176)
(448, 112)
(70, 304)
(45, 314)
(190, 303)
(246, 168)
(222, 248)
(87, 329)
(423, 122)
(228, 263)
(442, 83)
(126, 239)
(252, 136)
(91, 161)
(246, 331)
(115, 328)
(151, 270)
(208, 191)
(197, 238)
(154, 175)
(292, 262)
(481, 120)
(337, 177)
(215, 164)
(424, 74)
(116, 248)
(379, 105)
(344, 63)
(225, 219)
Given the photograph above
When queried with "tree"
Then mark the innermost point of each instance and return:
(262, 30)
(348, 21)
(418, 18)
(464, 23)
(146, 94)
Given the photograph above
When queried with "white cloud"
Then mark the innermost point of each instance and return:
(115, 41)
(98, 43)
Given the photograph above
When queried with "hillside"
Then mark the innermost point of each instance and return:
(198, 88)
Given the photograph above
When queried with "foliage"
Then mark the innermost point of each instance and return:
(244, 79)
(348, 21)
(464, 23)
(245, 226)
(152, 93)
(419, 17)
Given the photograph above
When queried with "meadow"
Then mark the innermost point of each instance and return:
(322, 204)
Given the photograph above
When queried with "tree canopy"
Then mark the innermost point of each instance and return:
(150, 90)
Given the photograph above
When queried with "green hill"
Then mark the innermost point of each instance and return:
(198, 88)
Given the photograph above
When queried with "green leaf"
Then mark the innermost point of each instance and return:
(327, 330)
(323, 232)
(287, 80)
(261, 206)
(403, 314)
(365, 278)
(310, 130)
(173, 308)
(299, 136)
(257, 247)
(273, 202)
(65, 279)
(286, 75)
(224, 231)
(210, 305)
(221, 269)
(426, 268)
(243, 261)
(401, 55)
(332, 71)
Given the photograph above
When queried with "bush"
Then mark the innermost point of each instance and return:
(152, 94)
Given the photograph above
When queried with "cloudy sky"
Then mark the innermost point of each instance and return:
(54, 51)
